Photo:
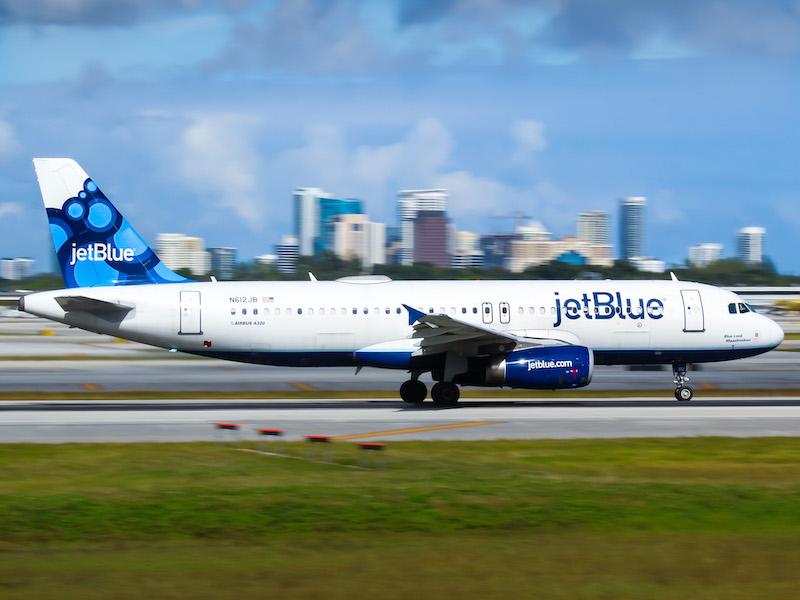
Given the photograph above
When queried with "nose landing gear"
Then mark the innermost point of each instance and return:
(682, 391)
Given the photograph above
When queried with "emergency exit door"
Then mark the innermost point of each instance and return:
(191, 318)
(693, 319)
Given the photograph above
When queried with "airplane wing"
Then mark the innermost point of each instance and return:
(92, 305)
(442, 333)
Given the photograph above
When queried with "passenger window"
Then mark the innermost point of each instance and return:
(277, 312)
(743, 308)
(255, 311)
(531, 310)
(430, 310)
(452, 310)
(397, 310)
(388, 310)
(365, 310)
(299, 311)
(521, 310)
(732, 308)
(463, 310)
(504, 310)
(542, 310)
(233, 311)
(266, 311)
(376, 311)
(321, 311)
(244, 311)
(355, 311)
(474, 310)
(486, 310)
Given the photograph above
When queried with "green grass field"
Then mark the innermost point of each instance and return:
(671, 518)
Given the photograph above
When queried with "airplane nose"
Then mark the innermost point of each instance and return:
(773, 333)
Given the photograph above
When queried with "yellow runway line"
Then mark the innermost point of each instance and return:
(303, 387)
(355, 436)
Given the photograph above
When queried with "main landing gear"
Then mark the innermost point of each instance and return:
(414, 391)
(682, 391)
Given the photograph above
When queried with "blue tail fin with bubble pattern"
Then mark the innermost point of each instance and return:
(95, 244)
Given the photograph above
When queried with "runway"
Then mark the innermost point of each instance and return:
(362, 420)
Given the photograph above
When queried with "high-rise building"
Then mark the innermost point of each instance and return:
(533, 232)
(631, 226)
(355, 236)
(179, 251)
(409, 203)
(531, 252)
(14, 269)
(593, 227)
(466, 252)
(329, 209)
(704, 254)
(750, 245)
(288, 251)
(267, 260)
(306, 217)
(496, 248)
(314, 212)
(431, 228)
(223, 261)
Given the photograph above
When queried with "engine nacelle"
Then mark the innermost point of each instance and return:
(544, 368)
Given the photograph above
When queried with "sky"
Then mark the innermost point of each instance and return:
(202, 116)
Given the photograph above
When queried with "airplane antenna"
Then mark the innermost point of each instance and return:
(672, 276)
(311, 276)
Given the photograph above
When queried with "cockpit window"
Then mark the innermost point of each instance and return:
(732, 308)
(743, 308)
(750, 306)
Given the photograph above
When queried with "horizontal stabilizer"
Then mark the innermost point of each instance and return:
(92, 305)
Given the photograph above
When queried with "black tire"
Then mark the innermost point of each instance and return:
(445, 394)
(413, 392)
(684, 393)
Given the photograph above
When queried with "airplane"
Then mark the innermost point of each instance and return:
(519, 334)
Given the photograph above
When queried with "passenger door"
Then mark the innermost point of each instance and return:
(190, 314)
(693, 319)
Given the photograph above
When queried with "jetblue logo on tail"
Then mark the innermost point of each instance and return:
(605, 305)
(100, 252)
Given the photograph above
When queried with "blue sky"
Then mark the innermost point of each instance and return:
(202, 116)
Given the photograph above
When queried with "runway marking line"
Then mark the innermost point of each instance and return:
(303, 387)
(400, 431)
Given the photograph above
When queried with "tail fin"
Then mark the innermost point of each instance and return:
(94, 243)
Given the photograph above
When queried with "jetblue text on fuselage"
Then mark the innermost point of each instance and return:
(100, 252)
(605, 305)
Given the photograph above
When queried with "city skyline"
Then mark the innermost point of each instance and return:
(510, 106)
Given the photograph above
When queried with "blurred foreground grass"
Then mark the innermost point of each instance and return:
(666, 518)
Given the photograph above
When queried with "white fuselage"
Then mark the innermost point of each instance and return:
(324, 323)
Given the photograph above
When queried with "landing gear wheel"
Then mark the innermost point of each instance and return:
(413, 391)
(684, 393)
(445, 394)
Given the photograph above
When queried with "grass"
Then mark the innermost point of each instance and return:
(667, 518)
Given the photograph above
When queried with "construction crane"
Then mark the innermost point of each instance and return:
(518, 217)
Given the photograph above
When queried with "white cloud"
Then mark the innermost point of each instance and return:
(529, 138)
(218, 158)
(9, 144)
(10, 209)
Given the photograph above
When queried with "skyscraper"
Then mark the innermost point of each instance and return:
(287, 252)
(431, 243)
(409, 203)
(593, 227)
(329, 209)
(223, 262)
(306, 218)
(355, 236)
(631, 226)
(314, 212)
(750, 245)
